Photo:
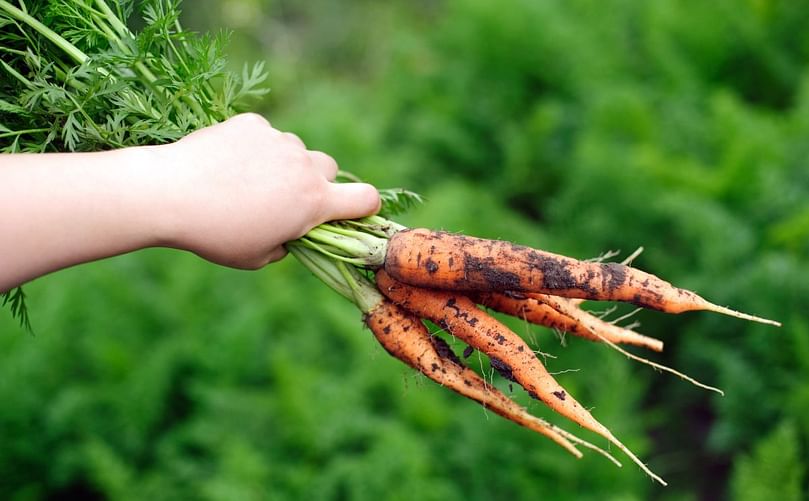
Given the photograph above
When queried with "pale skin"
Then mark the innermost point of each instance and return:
(232, 193)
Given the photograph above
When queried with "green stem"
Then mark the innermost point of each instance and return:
(99, 130)
(306, 242)
(207, 85)
(13, 51)
(374, 244)
(343, 278)
(378, 225)
(116, 23)
(21, 132)
(70, 49)
(16, 74)
(366, 297)
(321, 268)
(121, 32)
(351, 246)
(147, 76)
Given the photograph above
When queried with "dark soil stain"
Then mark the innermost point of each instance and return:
(444, 351)
(613, 276)
(503, 368)
(452, 304)
(493, 277)
(555, 272)
(431, 265)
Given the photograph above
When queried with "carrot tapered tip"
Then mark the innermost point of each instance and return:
(744, 316)
(609, 436)
(566, 446)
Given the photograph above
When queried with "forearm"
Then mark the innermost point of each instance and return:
(58, 210)
(232, 193)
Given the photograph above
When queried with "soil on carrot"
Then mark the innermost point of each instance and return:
(502, 368)
(444, 351)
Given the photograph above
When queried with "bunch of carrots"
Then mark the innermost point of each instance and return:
(80, 80)
(399, 277)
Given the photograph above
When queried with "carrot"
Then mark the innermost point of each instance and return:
(534, 310)
(564, 314)
(460, 315)
(406, 338)
(441, 260)
(590, 323)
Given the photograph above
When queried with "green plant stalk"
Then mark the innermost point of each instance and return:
(362, 242)
(116, 23)
(342, 278)
(16, 74)
(69, 49)
(147, 77)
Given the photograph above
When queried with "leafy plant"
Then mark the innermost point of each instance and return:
(773, 470)
(76, 78)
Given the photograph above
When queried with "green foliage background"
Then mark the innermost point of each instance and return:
(579, 126)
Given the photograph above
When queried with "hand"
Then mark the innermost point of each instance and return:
(233, 193)
(243, 189)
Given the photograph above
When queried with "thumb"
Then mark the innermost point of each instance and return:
(350, 201)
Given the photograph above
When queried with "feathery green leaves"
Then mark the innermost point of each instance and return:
(397, 201)
(73, 77)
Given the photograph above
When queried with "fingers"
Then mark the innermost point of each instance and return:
(276, 255)
(293, 139)
(250, 120)
(350, 201)
(325, 164)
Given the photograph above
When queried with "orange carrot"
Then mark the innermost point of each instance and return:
(532, 309)
(441, 260)
(406, 338)
(460, 315)
(591, 323)
(563, 312)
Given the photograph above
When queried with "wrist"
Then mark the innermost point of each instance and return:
(151, 174)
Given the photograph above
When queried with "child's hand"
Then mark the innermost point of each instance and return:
(232, 193)
(243, 188)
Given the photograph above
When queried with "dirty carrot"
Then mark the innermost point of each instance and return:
(463, 319)
(591, 323)
(441, 260)
(532, 309)
(405, 337)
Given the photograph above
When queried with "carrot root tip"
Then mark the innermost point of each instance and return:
(738, 314)
(609, 436)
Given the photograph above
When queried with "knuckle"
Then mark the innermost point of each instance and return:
(297, 156)
(293, 138)
(251, 118)
(329, 164)
(318, 203)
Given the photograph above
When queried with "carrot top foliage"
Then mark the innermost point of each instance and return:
(74, 77)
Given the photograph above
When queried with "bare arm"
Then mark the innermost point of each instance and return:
(232, 193)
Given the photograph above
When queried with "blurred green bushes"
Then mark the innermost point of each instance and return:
(580, 127)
